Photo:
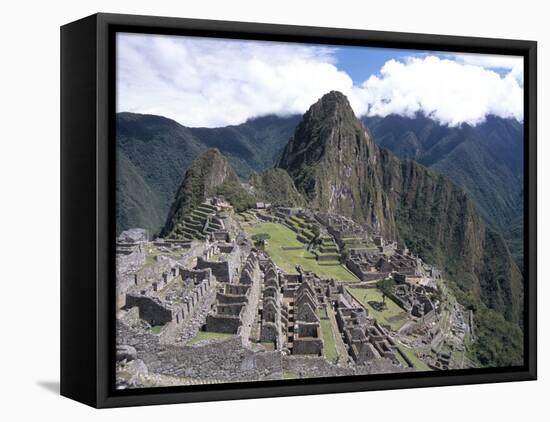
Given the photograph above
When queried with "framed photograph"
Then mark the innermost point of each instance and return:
(255, 210)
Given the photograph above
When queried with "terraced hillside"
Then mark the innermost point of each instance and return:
(198, 224)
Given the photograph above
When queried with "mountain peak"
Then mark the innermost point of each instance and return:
(212, 154)
(332, 104)
(329, 159)
(334, 96)
(329, 131)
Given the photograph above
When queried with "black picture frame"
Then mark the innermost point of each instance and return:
(87, 208)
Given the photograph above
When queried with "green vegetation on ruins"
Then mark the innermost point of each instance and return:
(208, 335)
(289, 375)
(392, 316)
(156, 329)
(418, 364)
(287, 252)
(329, 343)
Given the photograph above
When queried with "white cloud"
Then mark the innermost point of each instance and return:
(512, 64)
(204, 82)
(446, 90)
(208, 82)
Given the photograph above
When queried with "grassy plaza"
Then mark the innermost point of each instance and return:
(287, 252)
(393, 316)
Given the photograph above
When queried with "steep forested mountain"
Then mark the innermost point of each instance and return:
(252, 146)
(485, 160)
(153, 154)
(276, 187)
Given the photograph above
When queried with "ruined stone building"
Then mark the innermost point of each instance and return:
(413, 298)
(365, 339)
(224, 259)
(273, 312)
(369, 266)
(300, 296)
(236, 302)
(172, 298)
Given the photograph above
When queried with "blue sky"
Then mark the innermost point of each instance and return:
(361, 62)
(217, 82)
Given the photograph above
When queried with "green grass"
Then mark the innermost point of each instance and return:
(289, 375)
(418, 364)
(208, 335)
(156, 329)
(333, 254)
(329, 345)
(393, 316)
(149, 261)
(282, 237)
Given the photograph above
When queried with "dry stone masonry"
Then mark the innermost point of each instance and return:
(204, 305)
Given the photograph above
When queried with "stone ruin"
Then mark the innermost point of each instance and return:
(306, 338)
(341, 227)
(171, 299)
(288, 314)
(173, 243)
(377, 265)
(273, 314)
(365, 339)
(133, 236)
(414, 299)
(224, 259)
(264, 309)
(236, 303)
(144, 359)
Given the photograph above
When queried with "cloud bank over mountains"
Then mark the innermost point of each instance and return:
(210, 83)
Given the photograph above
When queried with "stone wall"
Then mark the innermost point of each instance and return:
(223, 323)
(307, 346)
(187, 274)
(249, 314)
(172, 301)
(226, 360)
(236, 306)
(126, 266)
(221, 270)
(150, 309)
(313, 367)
